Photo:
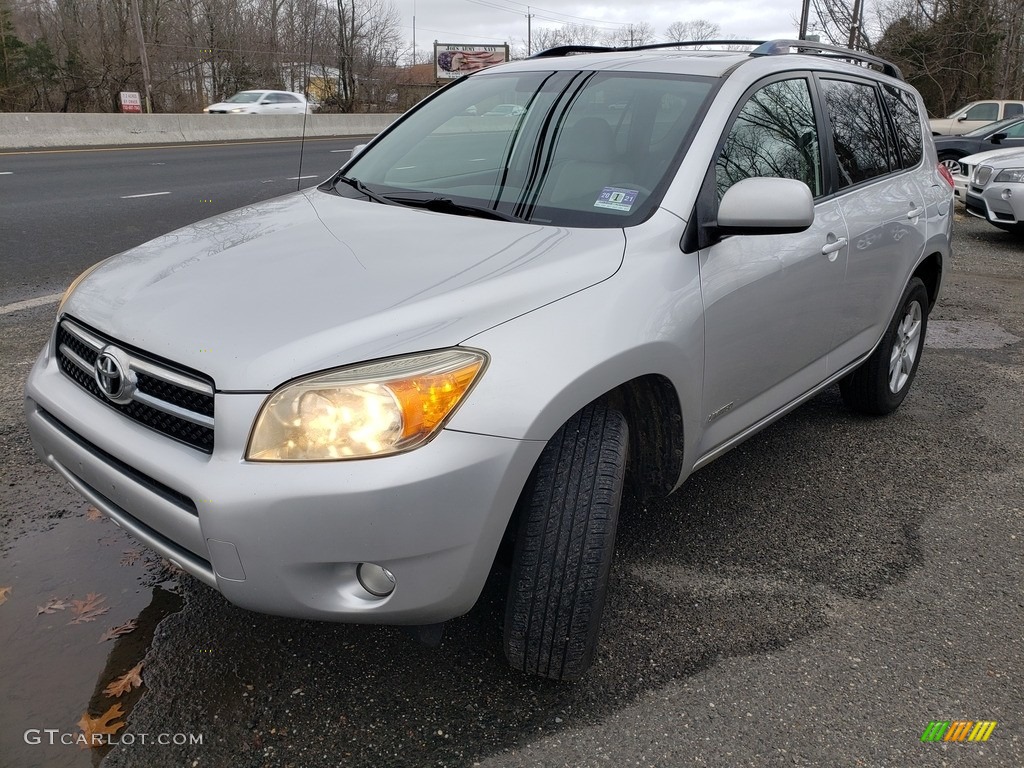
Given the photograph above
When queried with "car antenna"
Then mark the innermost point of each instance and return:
(305, 96)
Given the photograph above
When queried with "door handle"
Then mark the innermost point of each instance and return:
(832, 249)
(914, 213)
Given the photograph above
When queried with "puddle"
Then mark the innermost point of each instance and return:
(967, 334)
(55, 671)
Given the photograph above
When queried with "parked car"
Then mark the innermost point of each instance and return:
(1005, 134)
(261, 103)
(995, 188)
(975, 115)
(340, 403)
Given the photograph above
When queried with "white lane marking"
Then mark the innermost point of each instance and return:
(6, 173)
(296, 178)
(147, 194)
(39, 301)
(340, 150)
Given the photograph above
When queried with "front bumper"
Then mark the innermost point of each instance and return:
(996, 202)
(286, 539)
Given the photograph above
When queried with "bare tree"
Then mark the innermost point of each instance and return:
(629, 35)
(697, 29)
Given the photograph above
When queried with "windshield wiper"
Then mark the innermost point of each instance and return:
(447, 205)
(362, 189)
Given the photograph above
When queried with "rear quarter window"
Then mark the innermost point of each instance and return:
(906, 120)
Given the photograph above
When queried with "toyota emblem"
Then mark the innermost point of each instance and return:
(114, 377)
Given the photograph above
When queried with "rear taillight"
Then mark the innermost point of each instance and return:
(944, 173)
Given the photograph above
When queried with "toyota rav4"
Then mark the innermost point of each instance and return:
(489, 329)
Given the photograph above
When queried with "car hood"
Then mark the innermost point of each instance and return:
(995, 157)
(311, 280)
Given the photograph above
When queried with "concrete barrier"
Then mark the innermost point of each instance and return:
(28, 130)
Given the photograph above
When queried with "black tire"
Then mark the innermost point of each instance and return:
(948, 158)
(879, 385)
(563, 551)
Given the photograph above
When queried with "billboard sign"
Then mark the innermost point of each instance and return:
(130, 101)
(452, 61)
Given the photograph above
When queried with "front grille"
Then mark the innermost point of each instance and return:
(174, 402)
(982, 175)
(153, 486)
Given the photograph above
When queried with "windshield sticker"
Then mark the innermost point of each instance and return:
(617, 199)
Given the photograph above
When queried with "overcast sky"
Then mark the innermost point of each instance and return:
(498, 21)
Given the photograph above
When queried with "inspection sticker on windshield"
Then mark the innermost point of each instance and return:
(617, 199)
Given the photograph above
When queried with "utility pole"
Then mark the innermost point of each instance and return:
(414, 33)
(143, 57)
(805, 13)
(858, 12)
(529, 32)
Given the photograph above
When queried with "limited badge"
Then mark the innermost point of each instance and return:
(616, 198)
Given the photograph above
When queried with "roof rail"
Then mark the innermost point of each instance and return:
(565, 50)
(764, 48)
(782, 47)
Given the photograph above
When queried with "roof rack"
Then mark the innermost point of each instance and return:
(782, 47)
(764, 48)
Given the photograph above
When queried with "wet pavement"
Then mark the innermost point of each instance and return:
(815, 597)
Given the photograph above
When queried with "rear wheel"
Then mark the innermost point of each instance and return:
(563, 551)
(882, 382)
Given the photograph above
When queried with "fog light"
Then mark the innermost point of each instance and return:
(378, 581)
(1006, 194)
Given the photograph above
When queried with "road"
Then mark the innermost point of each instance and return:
(816, 597)
(61, 211)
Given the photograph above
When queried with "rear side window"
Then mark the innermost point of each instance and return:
(774, 134)
(1013, 109)
(859, 132)
(907, 122)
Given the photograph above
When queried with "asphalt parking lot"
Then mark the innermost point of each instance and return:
(816, 597)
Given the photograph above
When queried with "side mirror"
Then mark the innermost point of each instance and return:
(765, 206)
(961, 118)
(997, 138)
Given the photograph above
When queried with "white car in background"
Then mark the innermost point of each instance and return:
(261, 103)
(975, 115)
(994, 187)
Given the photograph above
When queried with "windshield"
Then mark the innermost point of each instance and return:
(245, 97)
(991, 128)
(590, 149)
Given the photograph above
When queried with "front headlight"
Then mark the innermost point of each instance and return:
(239, 109)
(365, 410)
(1011, 174)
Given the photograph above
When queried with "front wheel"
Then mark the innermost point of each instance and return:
(563, 551)
(951, 161)
(879, 385)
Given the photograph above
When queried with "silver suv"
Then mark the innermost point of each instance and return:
(337, 404)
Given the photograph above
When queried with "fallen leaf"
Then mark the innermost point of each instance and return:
(131, 556)
(4, 592)
(93, 514)
(88, 609)
(113, 632)
(126, 682)
(101, 726)
(53, 605)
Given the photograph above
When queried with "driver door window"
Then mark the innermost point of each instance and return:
(775, 134)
